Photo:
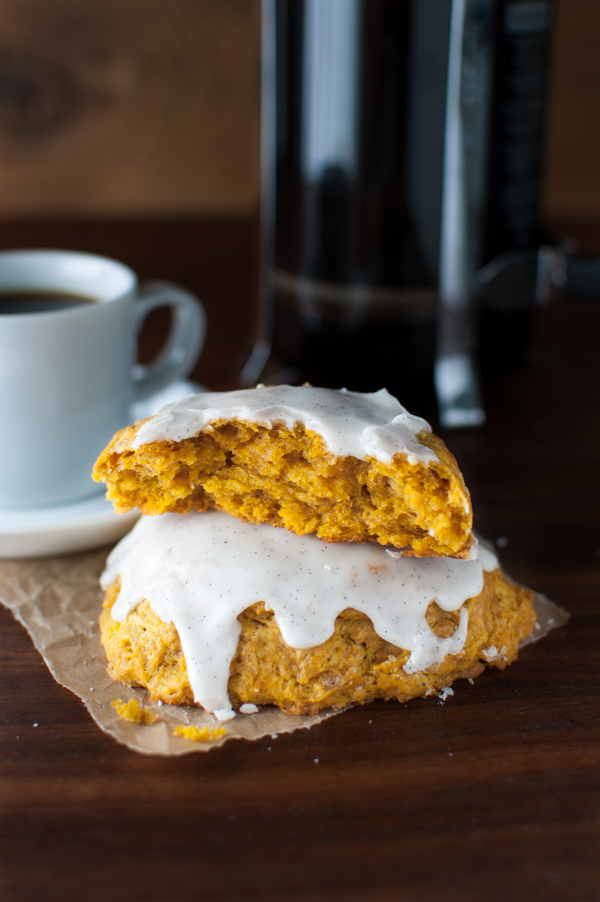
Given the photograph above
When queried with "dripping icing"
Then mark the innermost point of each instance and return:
(353, 424)
(202, 570)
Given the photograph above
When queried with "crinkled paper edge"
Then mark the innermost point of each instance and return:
(58, 601)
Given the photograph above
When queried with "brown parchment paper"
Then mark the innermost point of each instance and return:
(58, 601)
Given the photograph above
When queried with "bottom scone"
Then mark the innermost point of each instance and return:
(449, 638)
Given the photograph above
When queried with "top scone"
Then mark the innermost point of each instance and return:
(347, 466)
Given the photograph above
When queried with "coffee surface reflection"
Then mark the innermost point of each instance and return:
(33, 301)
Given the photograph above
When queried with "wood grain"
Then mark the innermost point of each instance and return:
(572, 185)
(143, 107)
(493, 794)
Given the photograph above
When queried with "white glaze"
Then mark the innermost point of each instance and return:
(200, 571)
(353, 424)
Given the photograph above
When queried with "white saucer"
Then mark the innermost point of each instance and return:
(62, 530)
(82, 525)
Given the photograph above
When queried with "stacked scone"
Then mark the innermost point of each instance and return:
(301, 547)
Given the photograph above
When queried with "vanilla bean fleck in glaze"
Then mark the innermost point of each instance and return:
(201, 571)
(353, 424)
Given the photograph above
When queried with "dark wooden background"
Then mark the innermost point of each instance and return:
(128, 109)
(146, 107)
(151, 108)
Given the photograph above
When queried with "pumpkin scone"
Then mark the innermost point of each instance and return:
(208, 610)
(345, 466)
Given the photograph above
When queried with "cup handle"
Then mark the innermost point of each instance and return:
(184, 342)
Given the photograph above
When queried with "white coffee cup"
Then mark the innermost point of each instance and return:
(68, 376)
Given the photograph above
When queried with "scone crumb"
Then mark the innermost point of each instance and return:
(133, 711)
(199, 734)
(489, 654)
(445, 692)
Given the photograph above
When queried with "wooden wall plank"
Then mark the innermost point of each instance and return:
(136, 107)
(572, 184)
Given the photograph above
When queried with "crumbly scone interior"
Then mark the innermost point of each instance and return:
(354, 665)
(286, 477)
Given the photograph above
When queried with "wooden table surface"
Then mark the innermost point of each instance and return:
(494, 794)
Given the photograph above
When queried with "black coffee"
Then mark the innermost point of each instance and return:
(34, 301)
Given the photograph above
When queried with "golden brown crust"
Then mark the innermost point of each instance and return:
(286, 477)
(354, 665)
